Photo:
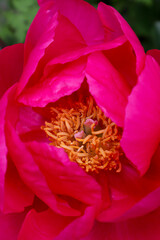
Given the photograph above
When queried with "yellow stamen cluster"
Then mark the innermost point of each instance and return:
(99, 149)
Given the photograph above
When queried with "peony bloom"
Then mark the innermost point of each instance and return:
(79, 127)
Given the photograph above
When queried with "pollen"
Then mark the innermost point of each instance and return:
(88, 137)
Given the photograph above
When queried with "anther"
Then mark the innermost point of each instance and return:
(89, 138)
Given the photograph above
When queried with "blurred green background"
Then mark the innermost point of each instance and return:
(142, 15)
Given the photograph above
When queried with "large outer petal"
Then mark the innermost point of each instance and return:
(11, 65)
(155, 53)
(62, 75)
(82, 15)
(14, 194)
(115, 23)
(24, 162)
(68, 46)
(39, 37)
(145, 227)
(63, 176)
(107, 86)
(131, 194)
(48, 84)
(3, 148)
(48, 226)
(123, 59)
(151, 186)
(141, 134)
(61, 80)
(32, 176)
(42, 225)
(10, 225)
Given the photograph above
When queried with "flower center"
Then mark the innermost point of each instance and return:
(88, 137)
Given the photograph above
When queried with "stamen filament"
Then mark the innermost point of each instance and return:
(89, 138)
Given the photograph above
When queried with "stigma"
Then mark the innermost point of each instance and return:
(88, 137)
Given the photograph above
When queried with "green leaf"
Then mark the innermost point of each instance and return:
(156, 35)
(146, 2)
(23, 6)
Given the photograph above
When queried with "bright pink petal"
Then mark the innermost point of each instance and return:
(32, 176)
(125, 190)
(11, 65)
(131, 194)
(141, 134)
(145, 227)
(16, 196)
(107, 86)
(24, 162)
(28, 120)
(63, 176)
(145, 206)
(42, 226)
(151, 185)
(82, 15)
(67, 39)
(50, 82)
(39, 37)
(3, 147)
(115, 23)
(80, 227)
(155, 53)
(10, 225)
(48, 225)
(68, 45)
(29, 123)
(61, 80)
(85, 50)
(124, 60)
(110, 22)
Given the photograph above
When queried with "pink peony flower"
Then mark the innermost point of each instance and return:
(79, 127)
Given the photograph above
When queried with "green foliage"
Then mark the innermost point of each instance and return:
(16, 19)
(93, 2)
(143, 16)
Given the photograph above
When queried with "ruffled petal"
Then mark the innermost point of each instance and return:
(28, 120)
(32, 176)
(50, 82)
(61, 80)
(10, 225)
(3, 147)
(123, 59)
(108, 87)
(39, 37)
(11, 65)
(80, 227)
(116, 25)
(125, 190)
(131, 194)
(141, 134)
(16, 195)
(25, 165)
(48, 225)
(44, 225)
(85, 50)
(82, 15)
(146, 227)
(71, 47)
(63, 176)
(151, 189)
(10, 188)
(155, 53)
